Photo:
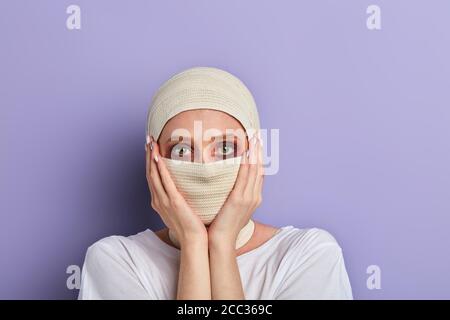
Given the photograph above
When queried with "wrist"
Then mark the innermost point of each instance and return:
(222, 241)
(193, 239)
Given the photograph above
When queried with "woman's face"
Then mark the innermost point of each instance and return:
(202, 135)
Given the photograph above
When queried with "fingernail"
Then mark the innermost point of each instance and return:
(248, 153)
(252, 156)
(151, 142)
(147, 138)
(260, 137)
(156, 158)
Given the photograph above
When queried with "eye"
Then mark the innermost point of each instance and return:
(225, 149)
(181, 152)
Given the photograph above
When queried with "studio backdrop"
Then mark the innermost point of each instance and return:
(354, 95)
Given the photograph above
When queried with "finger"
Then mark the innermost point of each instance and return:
(253, 168)
(241, 179)
(155, 178)
(148, 162)
(260, 174)
(166, 179)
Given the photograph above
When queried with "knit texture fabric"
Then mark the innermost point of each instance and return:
(202, 88)
(204, 186)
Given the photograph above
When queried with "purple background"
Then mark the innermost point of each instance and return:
(364, 119)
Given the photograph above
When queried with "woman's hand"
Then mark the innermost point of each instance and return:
(245, 197)
(232, 217)
(168, 202)
(193, 277)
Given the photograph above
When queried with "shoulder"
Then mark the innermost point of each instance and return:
(309, 246)
(112, 269)
(309, 239)
(317, 237)
(105, 251)
(110, 244)
(117, 248)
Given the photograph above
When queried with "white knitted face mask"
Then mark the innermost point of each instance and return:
(205, 187)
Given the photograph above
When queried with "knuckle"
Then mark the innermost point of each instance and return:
(258, 201)
(165, 203)
(235, 199)
(246, 201)
(175, 203)
(156, 202)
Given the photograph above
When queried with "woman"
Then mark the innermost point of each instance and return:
(205, 174)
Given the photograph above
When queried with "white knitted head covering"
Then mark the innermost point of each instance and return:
(205, 186)
(202, 88)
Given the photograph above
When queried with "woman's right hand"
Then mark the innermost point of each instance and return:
(168, 202)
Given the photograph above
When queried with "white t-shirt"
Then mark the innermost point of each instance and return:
(293, 264)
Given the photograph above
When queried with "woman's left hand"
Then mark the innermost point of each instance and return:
(244, 198)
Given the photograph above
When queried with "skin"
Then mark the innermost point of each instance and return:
(208, 265)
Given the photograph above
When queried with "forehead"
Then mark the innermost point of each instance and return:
(207, 118)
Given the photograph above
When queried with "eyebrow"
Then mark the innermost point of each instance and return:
(180, 138)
